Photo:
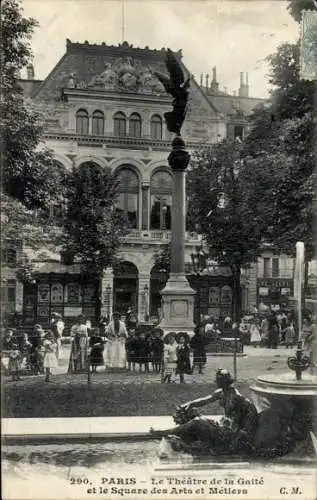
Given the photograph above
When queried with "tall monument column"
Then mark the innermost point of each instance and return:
(178, 296)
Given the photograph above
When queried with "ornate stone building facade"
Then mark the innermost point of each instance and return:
(103, 104)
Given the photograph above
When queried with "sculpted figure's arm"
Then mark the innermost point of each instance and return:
(215, 396)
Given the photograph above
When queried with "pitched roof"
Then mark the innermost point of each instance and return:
(85, 61)
(231, 104)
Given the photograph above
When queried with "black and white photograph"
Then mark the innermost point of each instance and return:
(158, 252)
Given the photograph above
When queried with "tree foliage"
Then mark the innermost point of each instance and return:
(28, 173)
(284, 128)
(296, 7)
(93, 226)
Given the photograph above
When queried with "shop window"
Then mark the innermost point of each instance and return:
(119, 125)
(128, 200)
(161, 200)
(98, 123)
(135, 125)
(156, 127)
(82, 122)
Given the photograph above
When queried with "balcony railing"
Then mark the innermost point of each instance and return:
(157, 235)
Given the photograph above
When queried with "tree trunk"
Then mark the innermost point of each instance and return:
(236, 312)
(236, 292)
(99, 298)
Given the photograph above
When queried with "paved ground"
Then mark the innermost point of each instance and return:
(257, 360)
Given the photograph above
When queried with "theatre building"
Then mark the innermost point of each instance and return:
(103, 105)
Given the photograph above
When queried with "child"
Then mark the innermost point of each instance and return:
(157, 350)
(50, 358)
(97, 348)
(142, 352)
(198, 343)
(170, 358)
(131, 350)
(15, 362)
(183, 361)
(289, 334)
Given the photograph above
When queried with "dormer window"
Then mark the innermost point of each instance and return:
(156, 127)
(135, 125)
(98, 123)
(119, 125)
(82, 122)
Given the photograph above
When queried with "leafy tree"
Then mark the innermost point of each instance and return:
(28, 173)
(228, 203)
(295, 8)
(93, 226)
(285, 126)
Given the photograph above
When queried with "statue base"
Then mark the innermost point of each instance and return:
(177, 306)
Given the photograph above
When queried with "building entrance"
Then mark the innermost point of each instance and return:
(125, 286)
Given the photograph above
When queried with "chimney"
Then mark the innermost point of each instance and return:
(244, 86)
(30, 72)
(234, 93)
(201, 80)
(207, 80)
(214, 84)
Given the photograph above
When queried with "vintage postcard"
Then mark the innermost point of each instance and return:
(159, 274)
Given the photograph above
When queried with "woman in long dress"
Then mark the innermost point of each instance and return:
(116, 333)
(255, 336)
(79, 346)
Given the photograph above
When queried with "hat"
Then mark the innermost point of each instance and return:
(56, 315)
(182, 334)
(116, 314)
(158, 330)
(169, 335)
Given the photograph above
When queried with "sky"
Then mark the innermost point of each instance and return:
(233, 35)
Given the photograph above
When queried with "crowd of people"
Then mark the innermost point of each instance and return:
(125, 345)
(38, 352)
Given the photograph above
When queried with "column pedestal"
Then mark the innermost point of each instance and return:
(178, 296)
(177, 305)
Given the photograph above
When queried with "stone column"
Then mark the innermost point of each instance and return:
(145, 206)
(143, 297)
(107, 293)
(178, 296)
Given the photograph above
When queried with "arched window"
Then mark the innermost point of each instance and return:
(82, 122)
(128, 200)
(156, 127)
(135, 124)
(119, 125)
(98, 123)
(161, 200)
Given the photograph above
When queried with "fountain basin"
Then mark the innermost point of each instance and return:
(285, 385)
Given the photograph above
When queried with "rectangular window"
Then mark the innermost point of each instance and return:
(275, 267)
(266, 267)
